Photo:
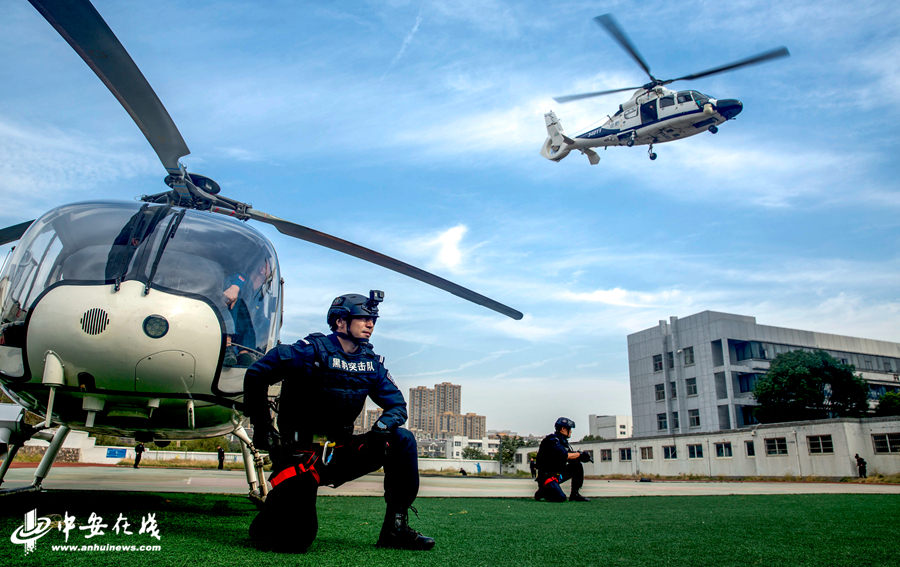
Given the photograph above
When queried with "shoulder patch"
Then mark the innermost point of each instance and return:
(304, 341)
(387, 375)
(381, 361)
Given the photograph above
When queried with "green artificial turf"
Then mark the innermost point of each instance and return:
(206, 530)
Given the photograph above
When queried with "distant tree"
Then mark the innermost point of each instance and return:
(591, 438)
(802, 385)
(473, 453)
(508, 447)
(888, 404)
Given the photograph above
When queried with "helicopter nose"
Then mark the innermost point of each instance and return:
(729, 107)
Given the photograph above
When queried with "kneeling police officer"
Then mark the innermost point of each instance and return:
(558, 462)
(324, 384)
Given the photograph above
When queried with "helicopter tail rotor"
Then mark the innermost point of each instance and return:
(555, 147)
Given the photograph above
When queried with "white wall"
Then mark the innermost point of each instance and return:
(849, 437)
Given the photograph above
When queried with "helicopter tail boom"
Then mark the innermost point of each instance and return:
(558, 144)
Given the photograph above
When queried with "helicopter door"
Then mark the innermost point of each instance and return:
(648, 112)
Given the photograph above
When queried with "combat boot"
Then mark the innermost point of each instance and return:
(396, 533)
(576, 497)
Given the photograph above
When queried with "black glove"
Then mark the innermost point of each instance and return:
(585, 457)
(265, 437)
(375, 443)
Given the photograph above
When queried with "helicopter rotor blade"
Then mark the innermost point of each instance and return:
(607, 22)
(79, 23)
(13, 233)
(335, 243)
(570, 98)
(760, 58)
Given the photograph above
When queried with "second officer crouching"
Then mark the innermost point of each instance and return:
(325, 381)
(558, 462)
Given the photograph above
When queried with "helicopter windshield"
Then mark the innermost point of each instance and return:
(219, 260)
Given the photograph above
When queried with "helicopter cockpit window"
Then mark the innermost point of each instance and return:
(701, 98)
(105, 242)
(667, 101)
(684, 97)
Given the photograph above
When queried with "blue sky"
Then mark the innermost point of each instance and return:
(413, 128)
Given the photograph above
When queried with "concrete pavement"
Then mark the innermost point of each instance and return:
(234, 482)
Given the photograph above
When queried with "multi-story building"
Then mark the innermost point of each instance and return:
(447, 398)
(435, 413)
(474, 426)
(422, 416)
(697, 374)
(610, 426)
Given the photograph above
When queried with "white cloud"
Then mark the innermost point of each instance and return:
(403, 47)
(622, 297)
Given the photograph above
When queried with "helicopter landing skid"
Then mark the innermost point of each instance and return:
(253, 467)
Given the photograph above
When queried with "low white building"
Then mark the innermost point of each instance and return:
(454, 446)
(610, 426)
(823, 448)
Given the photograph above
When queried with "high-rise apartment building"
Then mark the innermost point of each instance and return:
(447, 398)
(436, 413)
(422, 416)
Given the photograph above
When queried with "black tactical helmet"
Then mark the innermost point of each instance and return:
(354, 305)
(564, 422)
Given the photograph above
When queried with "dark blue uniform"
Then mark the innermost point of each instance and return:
(554, 467)
(323, 389)
(248, 312)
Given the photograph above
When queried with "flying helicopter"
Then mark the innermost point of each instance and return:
(115, 317)
(653, 114)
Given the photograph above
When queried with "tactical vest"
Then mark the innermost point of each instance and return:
(329, 396)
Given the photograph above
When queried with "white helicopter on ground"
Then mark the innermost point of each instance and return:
(653, 114)
(113, 315)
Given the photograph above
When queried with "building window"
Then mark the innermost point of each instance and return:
(868, 364)
(457, 443)
(776, 446)
(675, 420)
(625, 454)
(660, 392)
(605, 455)
(747, 414)
(646, 453)
(751, 449)
(689, 356)
(674, 391)
(748, 381)
(888, 443)
(657, 362)
(694, 416)
(670, 358)
(820, 444)
(621, 427)
(695, 451)
(723, 450)
(691, 384)
(518, 458)
(661, 421)
(669, 452)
